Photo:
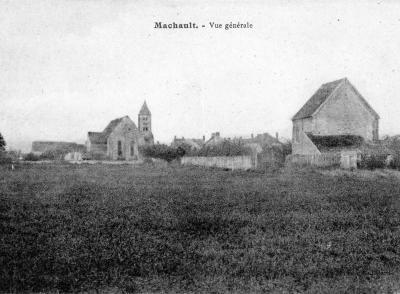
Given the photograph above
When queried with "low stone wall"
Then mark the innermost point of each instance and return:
(230, 162)
(320, 160)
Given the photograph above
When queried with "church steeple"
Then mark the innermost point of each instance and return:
(144, 110)
(144, 119)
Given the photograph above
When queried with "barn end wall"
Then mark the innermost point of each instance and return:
(345, 114)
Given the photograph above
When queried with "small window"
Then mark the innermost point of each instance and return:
(119, 148)
(132, 151)
(145, 129)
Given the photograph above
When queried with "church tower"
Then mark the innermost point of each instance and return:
(144, 124)
(144, 119)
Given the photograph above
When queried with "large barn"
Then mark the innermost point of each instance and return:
(336, 109)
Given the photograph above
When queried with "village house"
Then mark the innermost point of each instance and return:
(121, 139)
(261, 140)
(255, 143)
(195, 144)
(336, 111)
(215, 139)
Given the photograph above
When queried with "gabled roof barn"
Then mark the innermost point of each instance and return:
(322, 95)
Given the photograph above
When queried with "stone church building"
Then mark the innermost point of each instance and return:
(121, 139)
(336, 109)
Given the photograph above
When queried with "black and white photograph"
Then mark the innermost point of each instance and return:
(182, 146)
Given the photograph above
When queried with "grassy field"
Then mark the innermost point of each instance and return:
(180, 229)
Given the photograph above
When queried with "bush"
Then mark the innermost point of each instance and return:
(393, 144)
(395, 164)
(53, 155)
(14, 155)
(373, 160)
(31, 157)
(4, 158)
(162, 151)
(286, 148)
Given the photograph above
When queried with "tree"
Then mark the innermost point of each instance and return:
(2, 143)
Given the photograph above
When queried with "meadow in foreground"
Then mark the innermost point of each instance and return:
(184, 229)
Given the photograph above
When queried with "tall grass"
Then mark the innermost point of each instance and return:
(76, 228)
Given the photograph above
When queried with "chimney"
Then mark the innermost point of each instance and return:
(175, 137)
(204, 138)
(252, 135)
(277, 135)
(217, 134)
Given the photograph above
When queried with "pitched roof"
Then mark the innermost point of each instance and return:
(101, 137)
(194, 143)
(199, 142)
(111, 126)
(317, 99)
(144, 110)
(322, 94)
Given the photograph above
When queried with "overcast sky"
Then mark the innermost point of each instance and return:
(69, 67)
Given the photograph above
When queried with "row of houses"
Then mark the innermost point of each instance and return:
(262, 148)
(333, 119)
(216, 139)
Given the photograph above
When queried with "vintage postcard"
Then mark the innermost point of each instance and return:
(199, 146)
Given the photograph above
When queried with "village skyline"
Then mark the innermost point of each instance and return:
(87, 63)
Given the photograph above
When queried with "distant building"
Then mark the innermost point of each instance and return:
(336, 109)
(262, 140)
(121, 139)
(195, 144)
(215, 139)
(40, 147)
(255, 143)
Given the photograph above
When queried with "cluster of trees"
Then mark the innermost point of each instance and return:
(4, 156)
(48, 155)
(162, 151)
(2, 143)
